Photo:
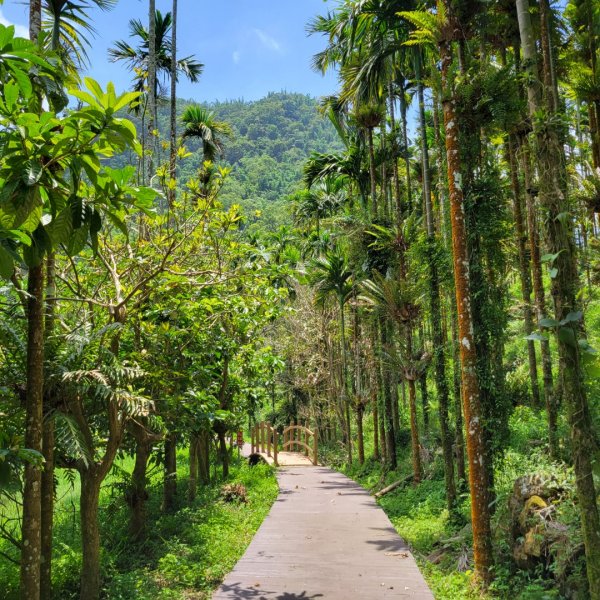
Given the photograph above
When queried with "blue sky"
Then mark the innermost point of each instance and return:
(248, 47)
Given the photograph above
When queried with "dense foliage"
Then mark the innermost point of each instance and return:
(428, 302)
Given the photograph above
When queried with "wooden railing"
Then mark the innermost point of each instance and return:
(299, 438)
(264, 438)
(296, 438)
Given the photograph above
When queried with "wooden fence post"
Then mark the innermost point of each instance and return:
(268, 427)
(275, 443)
(306, 440)
(252, 440)
(315, 446)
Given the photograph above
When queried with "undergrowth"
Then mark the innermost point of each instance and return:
(443, 546)
(186, 554)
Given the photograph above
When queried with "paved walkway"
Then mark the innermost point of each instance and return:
(325, 537)
(288, 459)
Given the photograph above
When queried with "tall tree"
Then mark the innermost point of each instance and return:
(31, 539)
(434, 300)
(173, 112)
(567, 314)
(332, 277)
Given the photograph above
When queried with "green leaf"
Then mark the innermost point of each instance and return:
(548, 322)
(572, 317)
(33, 172)
(553, 272)
(550, 258)
(536, 337)
(567, 336)
(7, 266)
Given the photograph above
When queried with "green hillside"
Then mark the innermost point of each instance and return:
(272, 139)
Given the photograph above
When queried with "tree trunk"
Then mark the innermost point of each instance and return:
(374, 389)
(395, 402)
(173, 140)
(345, 382)
(439, 359)
(32, 493)
(560, 242)
(480, 513)
(395, 173)
(35, 19)
(388, 412)
(204, 458)
(359, 431)
(88, 503)
(170, 485)
(459, 439)
(48, 488)
(403, 110)
(373, 176)
(524, 270)
(223, 453)
(47, 517)
(138, 494)
(193, 481)
(152, 89)
(540, 305)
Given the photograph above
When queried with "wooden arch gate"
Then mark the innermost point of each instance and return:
(299, 439)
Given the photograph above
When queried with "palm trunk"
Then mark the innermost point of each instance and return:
(395, 173)
(35, 19)
(480, 513)
(152, 88)
(47, 518)
(31, 539)
(459, 439)
(48, 488)
(524, 271)
(414, 423)
(173, 141)
(374, 371)
(540, 304)
(403, 110)
(359, 431)
(559, 238)
(345, 381)
(376, 452)
(388, 412)
(373, 175)
(436, 314)
(32, 498)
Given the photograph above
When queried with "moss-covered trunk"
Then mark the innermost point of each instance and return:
(480, 514)
(565, 283)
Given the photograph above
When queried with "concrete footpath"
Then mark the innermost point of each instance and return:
(325, 537)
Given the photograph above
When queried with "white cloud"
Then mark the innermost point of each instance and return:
(20, 30)
(236, 57)
(267, 41)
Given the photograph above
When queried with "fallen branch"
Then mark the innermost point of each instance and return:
(393, 486)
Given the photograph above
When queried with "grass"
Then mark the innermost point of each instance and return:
(185, 555)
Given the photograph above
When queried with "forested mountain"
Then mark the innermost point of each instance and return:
(272, 138)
